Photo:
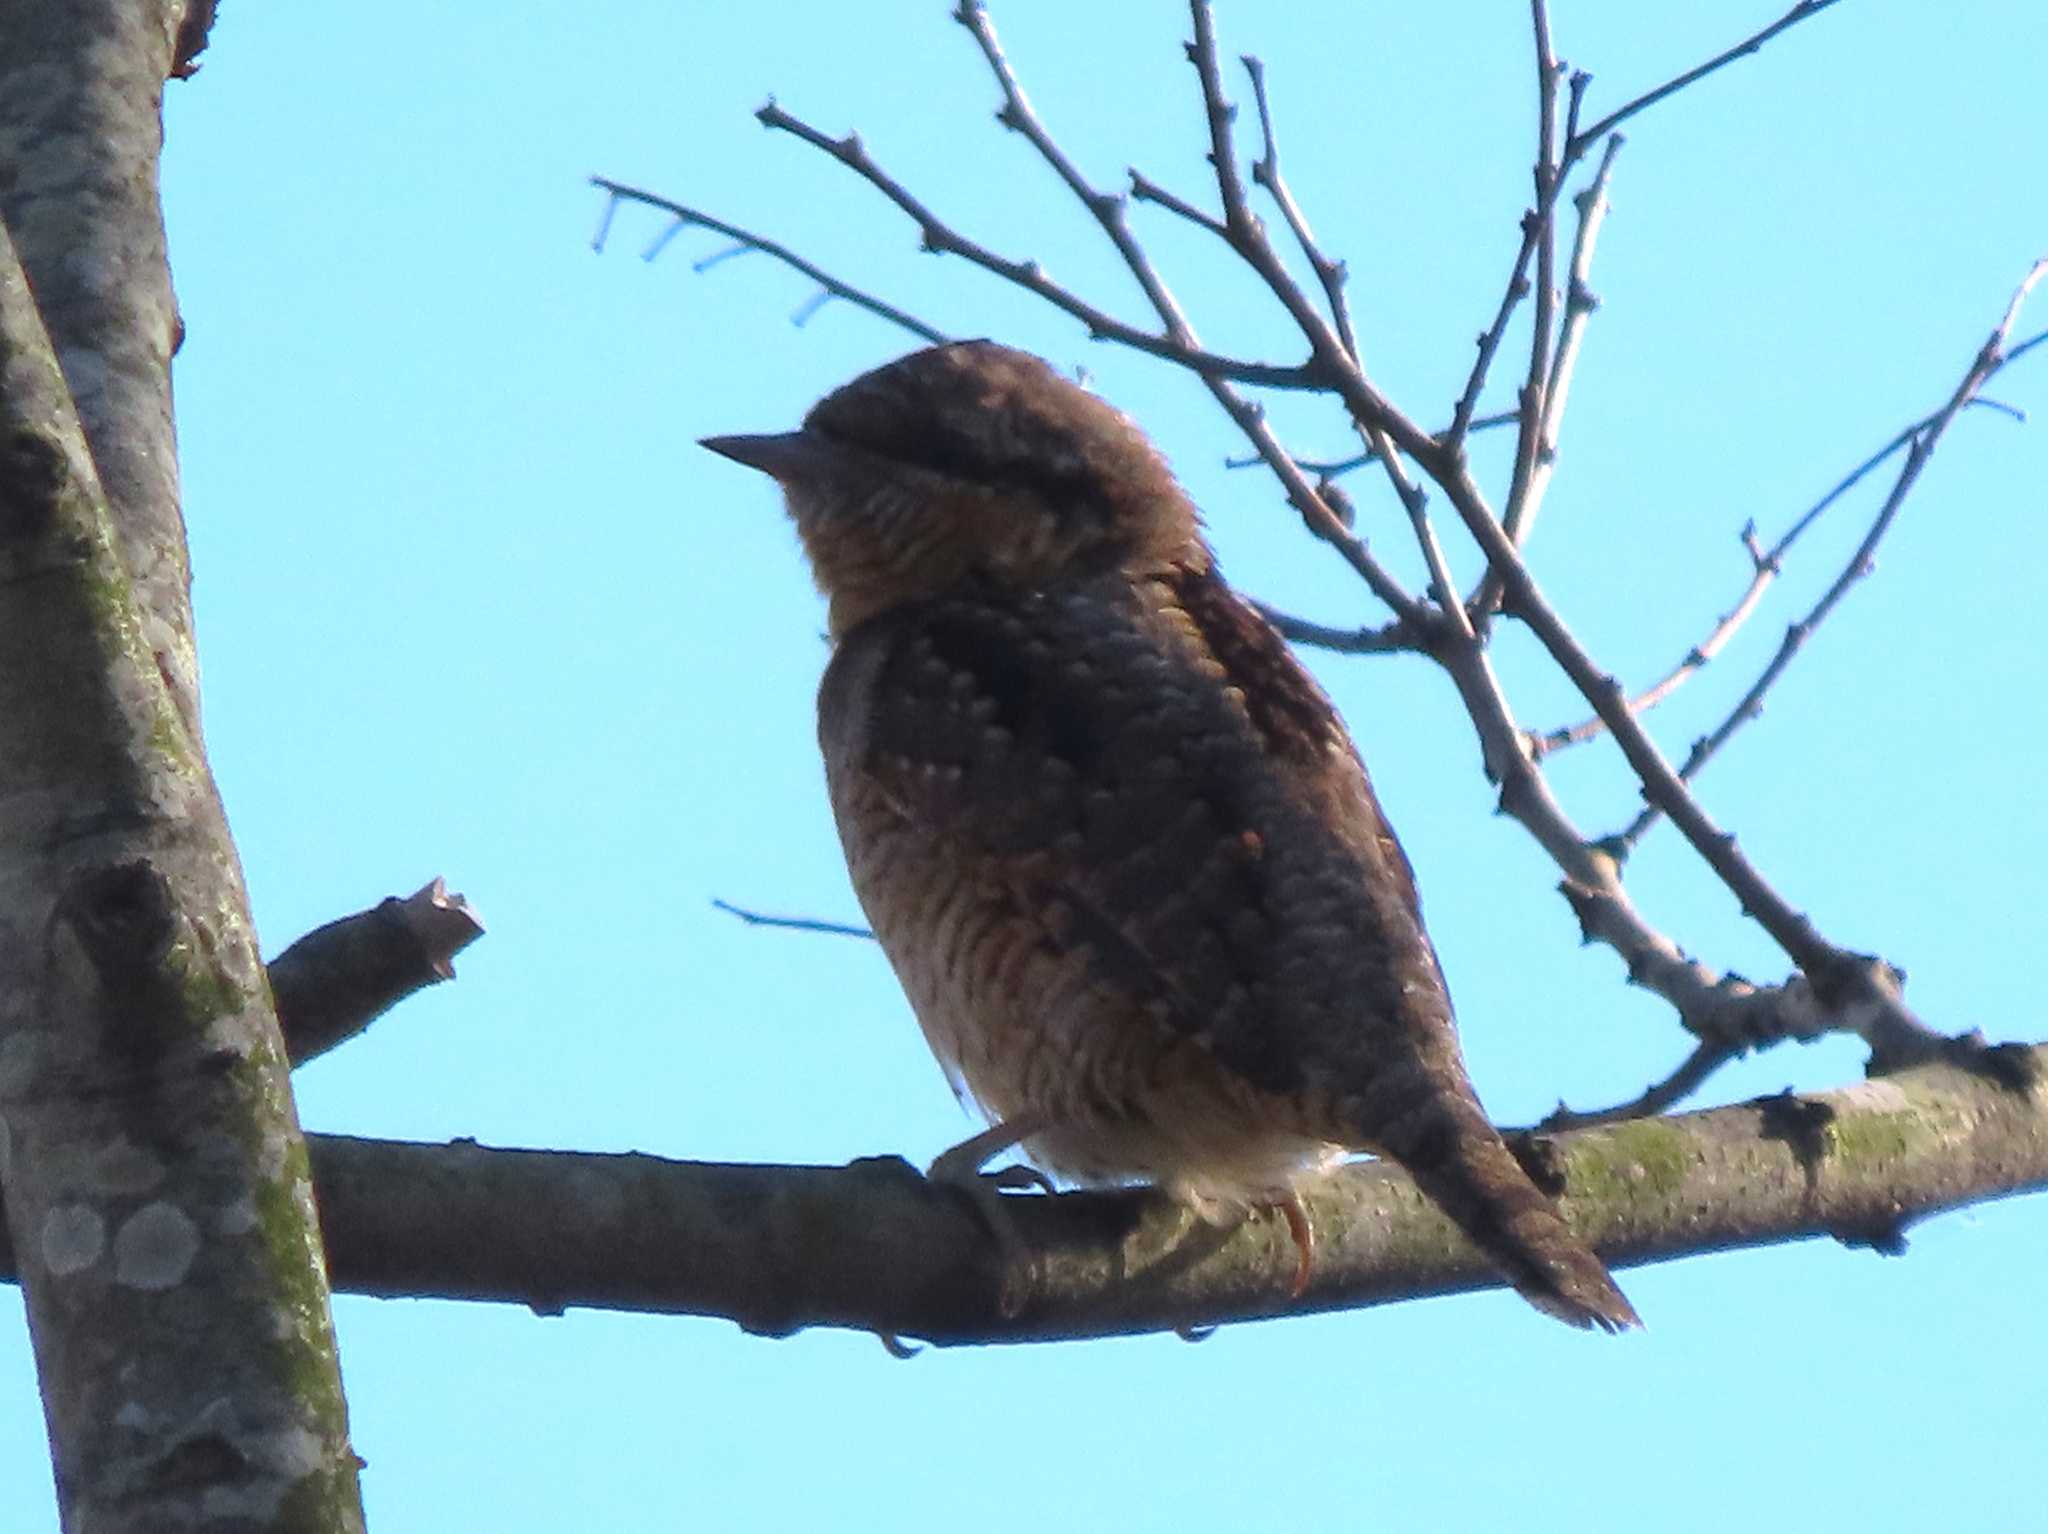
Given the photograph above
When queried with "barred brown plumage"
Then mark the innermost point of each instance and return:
(1114, 839)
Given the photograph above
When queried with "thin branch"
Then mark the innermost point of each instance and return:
(1388, 639)
(1864, 989)
(746, 239)
(1845, 484)
(1989, 359)
(1847, 990)
(1415, 502)
(1145, 189)
(1591, 205)
(1690, 1076)
(1221, 116)
(1329, 362)
(1018, 115)
(1534, 454)
(1266, 173)
(1526, 499)
(1763, 570)
(1548, 178)
(1712, 1007)
(1333, 468)
(941, 238)
(1576, 89)
(1856, 992)
(1517, 289)
(1766, 565)
(1317, 514)
(791, 923)
(1333, 353)
(1576, 146)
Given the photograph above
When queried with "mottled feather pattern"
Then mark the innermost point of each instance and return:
(1077, 739)
(1008, 433)
(1115, 841)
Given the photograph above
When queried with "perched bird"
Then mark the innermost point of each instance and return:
(1116, 842)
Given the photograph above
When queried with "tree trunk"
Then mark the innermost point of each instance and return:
(156, 1182)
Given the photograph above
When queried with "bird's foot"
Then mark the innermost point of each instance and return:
(961, 1168)
(962, 1165)
(1303, 1234)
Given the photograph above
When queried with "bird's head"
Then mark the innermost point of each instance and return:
(963, 463)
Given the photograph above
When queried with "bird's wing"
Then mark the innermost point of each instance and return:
(1158, 782)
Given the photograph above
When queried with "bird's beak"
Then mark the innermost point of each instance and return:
(782, 456)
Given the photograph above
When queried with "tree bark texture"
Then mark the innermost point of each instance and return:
(157, 1187)
(874, 1247)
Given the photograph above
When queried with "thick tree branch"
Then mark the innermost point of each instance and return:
(338, 979)
(874, 1247)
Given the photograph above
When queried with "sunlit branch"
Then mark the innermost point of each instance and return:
(745, 239)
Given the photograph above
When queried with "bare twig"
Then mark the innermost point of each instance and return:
(1576, 89)
(746, 239)
(1591, 205)
(1766, 565)
(941, 238)
(1517, 289)
(1388, 639)
(1696, 992)
(1836, 989)
(1333, 352)
(1864, 989)
(1329, 361)
(1577, 145)
(1018, 115)
(1855, 991)
(1712, 1007)
(1317, 514)
(1989, 359)
(1145, 189)
(791, 923)
(1547, 176)
(1690, 1076)
(1266, 173)
(1333, 468)
(1527, 497)
(1901, 440)
(1179, 345)
(1763, 570)
(1415, 502)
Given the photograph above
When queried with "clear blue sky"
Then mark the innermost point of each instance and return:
(472, 603)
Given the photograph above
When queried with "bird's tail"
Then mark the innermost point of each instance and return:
(1458, 1158)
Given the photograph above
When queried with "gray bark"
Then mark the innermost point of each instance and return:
(875, 1247)
(156, 1182)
